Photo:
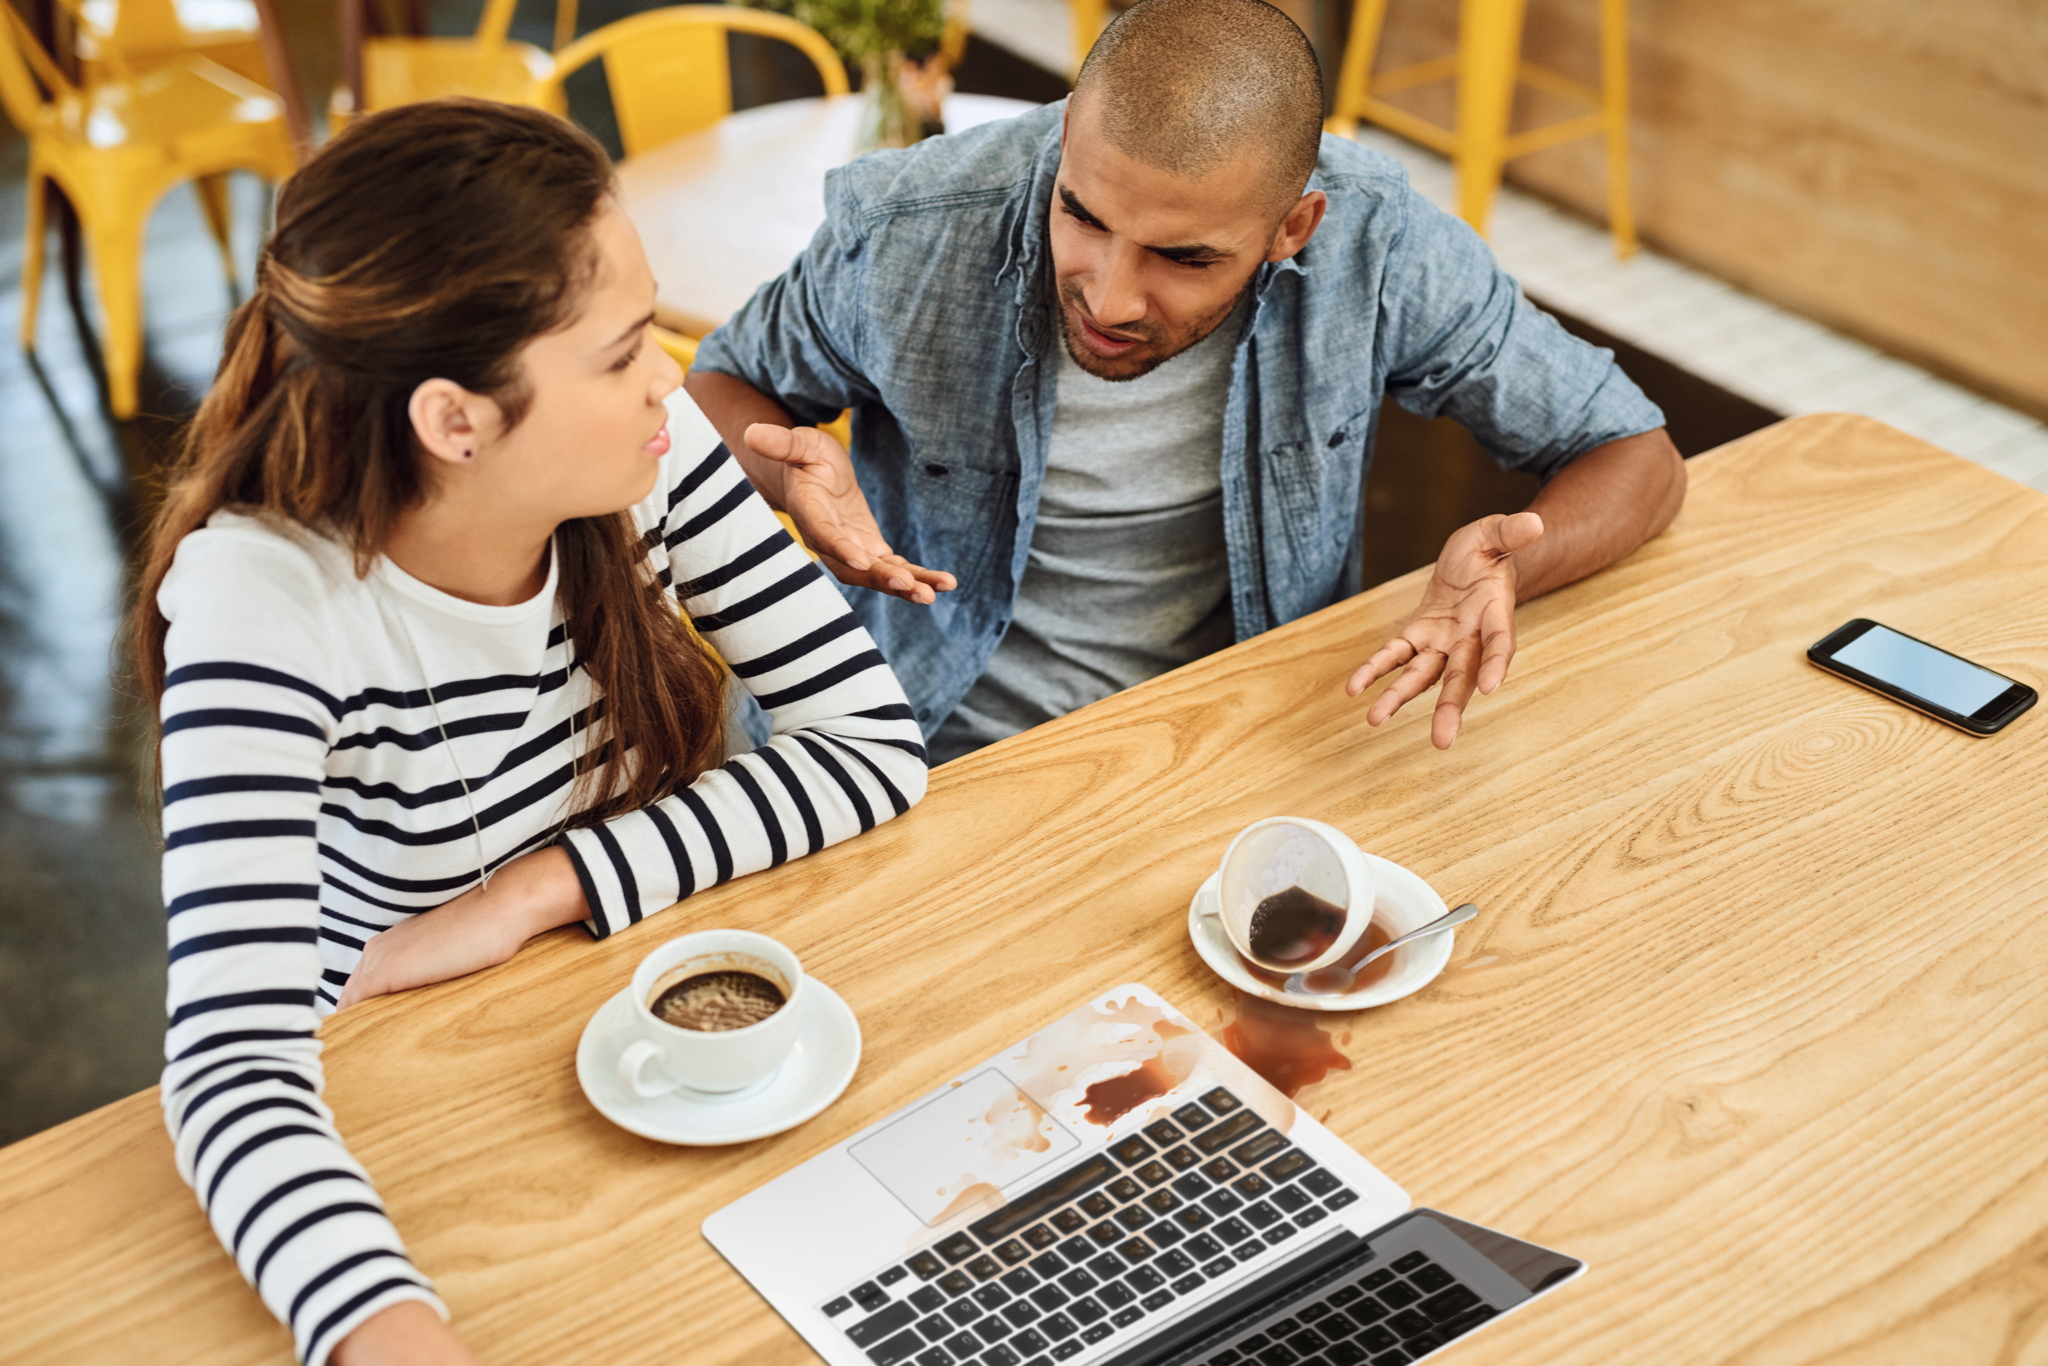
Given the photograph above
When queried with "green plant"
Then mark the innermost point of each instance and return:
(867, 30)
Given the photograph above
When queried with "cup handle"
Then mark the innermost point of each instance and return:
(633, 1064)
(1209, 896)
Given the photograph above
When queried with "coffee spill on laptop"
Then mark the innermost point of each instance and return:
(1109, 1101)
(1282, 1044)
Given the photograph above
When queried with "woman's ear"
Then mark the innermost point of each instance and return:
(448, 420)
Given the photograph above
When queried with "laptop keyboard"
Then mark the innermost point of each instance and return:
(1388, 1316)
(1092, 1253)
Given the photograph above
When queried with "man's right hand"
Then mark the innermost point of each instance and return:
(821, 495)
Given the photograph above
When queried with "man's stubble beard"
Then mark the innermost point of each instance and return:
(1120, 371)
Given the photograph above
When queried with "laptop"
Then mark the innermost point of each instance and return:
(1117, 1188)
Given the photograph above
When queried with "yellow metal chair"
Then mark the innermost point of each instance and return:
(668, 71)
(120, 38)
(385, 72)
(115, 148)
(1486, 67)
(1090, 18)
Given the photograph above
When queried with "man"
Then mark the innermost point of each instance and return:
(1115, 368)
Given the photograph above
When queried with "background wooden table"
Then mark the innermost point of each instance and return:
(1753, 1019)
(724, 211)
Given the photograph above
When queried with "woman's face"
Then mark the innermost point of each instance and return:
(596, 428)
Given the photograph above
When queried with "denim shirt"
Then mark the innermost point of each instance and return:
(925, 303)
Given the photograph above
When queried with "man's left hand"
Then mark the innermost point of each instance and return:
(1463, 633)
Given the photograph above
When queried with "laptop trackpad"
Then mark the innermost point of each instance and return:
(960, 1150)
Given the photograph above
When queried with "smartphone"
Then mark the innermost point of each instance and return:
(1946, 687)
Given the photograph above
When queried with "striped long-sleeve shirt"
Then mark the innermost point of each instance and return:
(310, 801)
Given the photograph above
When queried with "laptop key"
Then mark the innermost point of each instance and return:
(1162, 1202)
(1245, 1251)
(1124, 1318)
(902, 1347)
(1069, 1221)
(1345, 1295)
(1289, 1199)
(1377, 1279)
(957, 1248)
(1399, 1295)
(1162, 1132)
(1049, 1297)
(1152, 1173)
(1408, 1323)
(1134, 1217)
(984, 1268)
(1158, 1299)
(1108, 1266)
(925, 1265)
(963, 1345)
(1220, 1170)
(935, 1356)
(1013, 1252)
(954, 1283)
(1135, 1250)
(870, 1296)
(1288, 1165)
(1116, 1295)
(1077, 1282)
(1279, 1354)
(1018, 1281)
(1308, 1341)
(874, 1328)
(1217, 1267)
(1241, 1125)
(1096, 1204)
(1221, 1102)
(1038, 1237)
(1193, 1217)
(937, 1328)
(1321, 1181)
(1191, 1116)
(834, 1308)
(1367, 1310)
(1058, 1326)
(1085, 1311)
(893, 1275)
(1048, 1264)
(1281, 1328)
(1188, 1284)
(1030, 1340)
(1430, 1279)
(1449, 1304)
(1344, 1354)
(1124, 1188)
(1096, 1332)
(1422, 1342)
(1251, 1185)
(1378, 1338)
(1341, 1199)
(1104, 1234)
(1256, 1150)
(1019, 1312)
(1406, 1264)
(1465, 1322)
(1000, 1356)
(993, 1328)
(1065, 1350)
(1232, 1231)
(1334, 1325)
(1174, 1263)
(988, 1297)
(1202, 1247)
(1183, 1157)
(1222, 1202)
(1131, 1151)
(1144, 1280)
(1261, 1215)
(1311, 1215)
(1397, 1357)
(964, 1312)
(1279, 1234)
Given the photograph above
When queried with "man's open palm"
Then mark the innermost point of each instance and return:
(1463, 632)
(823, 498)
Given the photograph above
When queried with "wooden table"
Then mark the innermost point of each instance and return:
(1753, 1019)
(724, 211)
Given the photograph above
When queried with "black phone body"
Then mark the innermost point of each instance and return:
(1930, 680)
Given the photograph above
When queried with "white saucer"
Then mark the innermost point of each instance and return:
(1402, 902)
(819, 1067)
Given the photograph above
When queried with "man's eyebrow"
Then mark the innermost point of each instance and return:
(1193, 254)
(630, 332)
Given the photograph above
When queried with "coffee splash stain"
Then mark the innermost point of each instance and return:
(1152, 1054)
(975, 1194)
(1016, 1124)
(1109, 1101)
(1283, 1044)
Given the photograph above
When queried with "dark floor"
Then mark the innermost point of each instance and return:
(81, 929)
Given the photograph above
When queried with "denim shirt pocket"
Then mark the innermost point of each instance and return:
(961, 513)
(1309, 511)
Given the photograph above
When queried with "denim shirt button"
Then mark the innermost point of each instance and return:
(1336, 440)
(936, 471)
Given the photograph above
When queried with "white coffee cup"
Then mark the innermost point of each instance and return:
(1272, 855)
(665, 1057)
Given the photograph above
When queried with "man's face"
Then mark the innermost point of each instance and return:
(1148, 262)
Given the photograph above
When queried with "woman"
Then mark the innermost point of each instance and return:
(410, 611)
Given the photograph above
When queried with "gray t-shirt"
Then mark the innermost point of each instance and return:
(1127, 576)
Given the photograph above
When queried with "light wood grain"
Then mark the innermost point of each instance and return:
(1881, 165)
(1752, 1021)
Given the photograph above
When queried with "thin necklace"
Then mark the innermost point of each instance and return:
(476, 825)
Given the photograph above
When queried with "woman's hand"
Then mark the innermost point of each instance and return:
(408, 1333)
(479, 929)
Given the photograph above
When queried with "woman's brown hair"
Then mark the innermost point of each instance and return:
(434, 241)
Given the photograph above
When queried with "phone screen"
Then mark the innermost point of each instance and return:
(1950, 683)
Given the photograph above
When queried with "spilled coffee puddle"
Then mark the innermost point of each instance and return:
(1283, 1044)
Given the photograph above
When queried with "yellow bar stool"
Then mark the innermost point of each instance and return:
(1487, 66)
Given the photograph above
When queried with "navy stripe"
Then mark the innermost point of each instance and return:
(894, 711)
(310, 1288)
(300, 1225)
(279, 1192)
(710, 517)
(251, 673)
(778, 850)
(516, 757)
(236, 830)
(465, 828)
(246, 891)
(721, 853)
(236, 782)
(254, 1107)
(488, 724)
(629, 889)
(227, 939)
(213, 1041)
(215, 1066)
(747, 559)
(814, 833)
(262, 1140)
(686, 875)
(399, 884)
(599, 927)
(761, 601)
(329, 913)
(701, 471)
(241, 1079)
(907, 746)
(826, 678)
(360, 895)
(315, 1341)
(895, 797)
(338, 937)
(243, 718)
(281, 996)
(847, 783)
(798, 648)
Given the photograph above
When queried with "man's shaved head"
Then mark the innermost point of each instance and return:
(1186, 85)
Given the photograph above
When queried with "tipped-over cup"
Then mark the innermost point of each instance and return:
(1267, 870)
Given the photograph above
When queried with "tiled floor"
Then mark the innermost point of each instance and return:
(1736, 340)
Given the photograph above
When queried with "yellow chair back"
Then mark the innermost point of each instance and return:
(22, 63)
(668, 71)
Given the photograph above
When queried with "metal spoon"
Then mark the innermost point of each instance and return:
(1298, 983)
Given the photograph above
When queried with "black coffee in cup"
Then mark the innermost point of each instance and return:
(717, 1000)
